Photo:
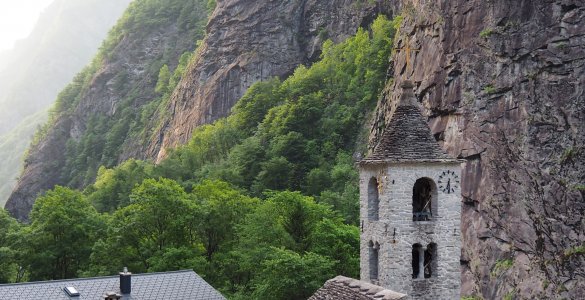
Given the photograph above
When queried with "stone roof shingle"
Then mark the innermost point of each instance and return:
(407, 136)
(168, 285)
(344, 288)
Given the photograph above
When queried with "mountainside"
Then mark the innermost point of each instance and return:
(502, 83)
(100, 118)
(245, 43)
(40, 66)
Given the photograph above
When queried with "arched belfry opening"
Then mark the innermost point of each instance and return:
(373, 200)
(424, 200)
(374, 251)
(424, 261)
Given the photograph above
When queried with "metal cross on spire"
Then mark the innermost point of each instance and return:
(408, 51)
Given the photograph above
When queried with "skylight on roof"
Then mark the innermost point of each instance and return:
(71, 291)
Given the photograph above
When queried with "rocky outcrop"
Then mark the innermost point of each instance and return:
(249, 41)
(502, 85)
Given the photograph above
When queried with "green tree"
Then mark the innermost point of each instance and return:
(339, 242)
(160, 210)
(181, 258)
(64, 226)
(289, 275)
(222, 208)
(9, 228)
(250, 110)
(284, 220)
(160, 217)
(112, 187)
(276, 174)
(164, 75)
(245, 159)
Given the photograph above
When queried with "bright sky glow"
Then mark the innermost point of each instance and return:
(17, 19)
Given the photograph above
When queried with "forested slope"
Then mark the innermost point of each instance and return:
(263, 204)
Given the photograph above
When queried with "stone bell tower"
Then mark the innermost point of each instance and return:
(410, 209)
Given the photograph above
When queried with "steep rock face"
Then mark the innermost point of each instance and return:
(502, 85)
(248, 41)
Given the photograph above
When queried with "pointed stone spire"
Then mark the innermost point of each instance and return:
(407, 136)
(407, 98)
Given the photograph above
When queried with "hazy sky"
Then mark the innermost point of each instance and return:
(17, 18)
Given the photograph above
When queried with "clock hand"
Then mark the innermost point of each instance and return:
(449, 186)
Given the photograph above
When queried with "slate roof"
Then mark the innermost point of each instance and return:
(168, 285)
(344, 288)
(407, 136)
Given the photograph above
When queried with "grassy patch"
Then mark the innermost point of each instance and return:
(510, 295)
(486, 32)
(577, 250)
(489, 89)
(568, 154)
(501, 266)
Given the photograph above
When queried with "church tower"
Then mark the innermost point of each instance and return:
(410, 209)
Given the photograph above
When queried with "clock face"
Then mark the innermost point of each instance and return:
(448, 182)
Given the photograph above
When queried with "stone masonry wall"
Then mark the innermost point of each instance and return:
(396, 232)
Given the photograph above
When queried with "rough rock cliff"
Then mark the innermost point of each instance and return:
(502, 85)
(248, 41)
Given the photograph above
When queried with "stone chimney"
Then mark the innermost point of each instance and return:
(125, 282)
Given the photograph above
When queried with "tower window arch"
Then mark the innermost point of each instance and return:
(424, 200)
(373, 200)
(374, 251)
(424, 261)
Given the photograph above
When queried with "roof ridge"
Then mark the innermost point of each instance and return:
(95, 278)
